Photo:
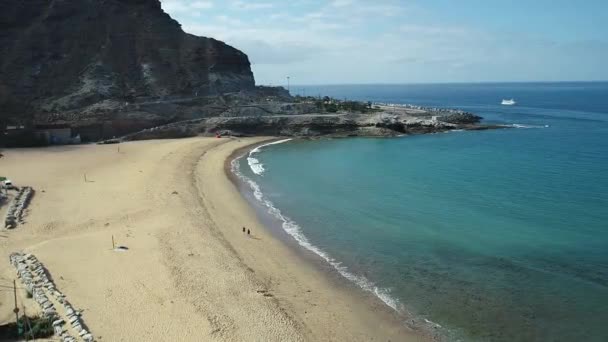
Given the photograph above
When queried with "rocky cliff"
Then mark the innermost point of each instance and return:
(81, 61)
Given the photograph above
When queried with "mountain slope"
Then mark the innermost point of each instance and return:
(77, 61)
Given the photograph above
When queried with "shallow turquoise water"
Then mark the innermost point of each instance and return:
(495, 235)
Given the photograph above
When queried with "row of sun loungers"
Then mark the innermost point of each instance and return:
(35, 279)
(17, 207)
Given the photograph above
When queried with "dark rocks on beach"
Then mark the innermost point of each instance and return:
(394, 126)
(461, 118)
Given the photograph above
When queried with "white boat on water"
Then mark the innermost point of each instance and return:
(508, 102)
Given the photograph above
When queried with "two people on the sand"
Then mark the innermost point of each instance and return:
(248, 231)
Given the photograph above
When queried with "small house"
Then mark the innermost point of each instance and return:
(54, 134)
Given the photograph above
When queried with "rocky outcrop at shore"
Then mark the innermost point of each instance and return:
(337, 125)
(461, 118)
(82, 62)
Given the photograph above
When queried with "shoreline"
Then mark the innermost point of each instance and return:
(189, 273)
(357, 286)
(372, 307)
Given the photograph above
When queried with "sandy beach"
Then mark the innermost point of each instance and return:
(190, 274)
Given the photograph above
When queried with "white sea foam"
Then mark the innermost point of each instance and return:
(432, 323)
(254, 164)
(529, 126)
(295, 231)
(453, 130)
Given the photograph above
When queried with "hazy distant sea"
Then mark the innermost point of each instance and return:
(495, 235)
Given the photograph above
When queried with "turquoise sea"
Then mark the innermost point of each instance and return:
(495, 235)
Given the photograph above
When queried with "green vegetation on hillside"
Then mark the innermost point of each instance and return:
(330, 105)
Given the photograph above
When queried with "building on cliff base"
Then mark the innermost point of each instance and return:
(55, 134)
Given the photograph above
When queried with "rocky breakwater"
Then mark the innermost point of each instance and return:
(82, 63)
(53, 304)
(17, 207)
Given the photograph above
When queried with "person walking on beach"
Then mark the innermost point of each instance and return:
(248, 232)
(243, 229)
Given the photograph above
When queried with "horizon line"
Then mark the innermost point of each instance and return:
(431, 83)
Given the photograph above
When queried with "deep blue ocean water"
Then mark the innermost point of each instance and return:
(495, 235)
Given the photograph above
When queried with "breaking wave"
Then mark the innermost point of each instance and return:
(254, 164)
(529, 126)
(295, 231)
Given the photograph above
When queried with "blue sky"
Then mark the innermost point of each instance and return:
(408, 41)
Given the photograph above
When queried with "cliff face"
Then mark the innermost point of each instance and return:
(77, 60)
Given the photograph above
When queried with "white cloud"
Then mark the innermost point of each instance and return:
(229, 21)
(367, 8)
(341, 3)
(249, 5)
(340, 41)
(202, 4)
(184, 6)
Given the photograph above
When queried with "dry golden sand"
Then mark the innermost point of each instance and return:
(190, 274)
